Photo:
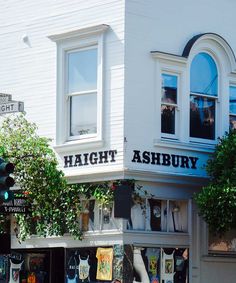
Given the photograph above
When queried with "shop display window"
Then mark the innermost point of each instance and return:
(4, 266)
(35, 268)
(159, 215)
(92, 264)
(96, 216)
(223, 245)
(161, 265)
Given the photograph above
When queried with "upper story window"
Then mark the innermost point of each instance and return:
(79, 86)
(203, 96)
(195, 93)
(169, 99)
(81, 73)
(232, 107)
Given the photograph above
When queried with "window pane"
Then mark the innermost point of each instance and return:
(204, 75)
(82, 70)
(83, 114)
(232, 122)
(232, 100)
(169, 89)
(202, 117)
(168, 119)
(178, 216)
(227, 243)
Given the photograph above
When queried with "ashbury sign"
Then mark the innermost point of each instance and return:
(165, 159)
(144, 157)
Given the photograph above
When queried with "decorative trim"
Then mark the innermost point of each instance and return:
(169, 57)
(86, 31)
(191, 146)
(78, 145)
(208, 35)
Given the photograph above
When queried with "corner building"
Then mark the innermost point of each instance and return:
(127, 89)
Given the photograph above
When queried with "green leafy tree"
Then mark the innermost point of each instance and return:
(54, 204)
(217, 201)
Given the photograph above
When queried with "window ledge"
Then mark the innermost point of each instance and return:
(78, 145)
(220, 258)
(191, 146)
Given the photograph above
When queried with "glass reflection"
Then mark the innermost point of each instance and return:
(202, 117)
(168, 119)
(83, 114)
(232, 99)
(82, 70)
(169, 89)
(232, 122)
(204, 75)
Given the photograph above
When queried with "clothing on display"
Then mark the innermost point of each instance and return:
(139, 265)
(84, 269)
(31, 278)
(3, 268)
(73, 280)
(153, 255)
(71, 276)
(140, 217)
(15, 272)
(167, 272)
(155, 211)
(104, 267)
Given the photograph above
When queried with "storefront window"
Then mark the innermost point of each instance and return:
(126, 263)
(225, 244)
(96, 216)
(155, 264)
(159, 215)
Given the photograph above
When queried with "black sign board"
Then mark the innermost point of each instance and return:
(17, 205)
(123, 201)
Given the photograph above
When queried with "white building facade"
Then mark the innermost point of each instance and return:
(135, 90)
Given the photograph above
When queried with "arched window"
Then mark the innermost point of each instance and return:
(203, 95)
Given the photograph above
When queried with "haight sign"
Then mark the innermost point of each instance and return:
(91, 158)
(144, 157)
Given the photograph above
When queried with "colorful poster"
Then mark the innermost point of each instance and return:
(104, 267)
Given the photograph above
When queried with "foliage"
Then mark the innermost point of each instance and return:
(217, 201)
(55, 205)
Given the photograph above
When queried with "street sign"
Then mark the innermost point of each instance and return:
(11, 107)
(17, 205)
(4, 98)
(7, 105)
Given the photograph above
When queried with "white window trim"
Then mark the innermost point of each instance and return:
(174, 136)
(224, 58)
(176, 66)
(217, 98)
(68, 41)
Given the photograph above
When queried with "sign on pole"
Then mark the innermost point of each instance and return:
(7, 105)
(17, 205)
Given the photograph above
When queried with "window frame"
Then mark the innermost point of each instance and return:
(231, 84)
(215, 98)
(174, 136)
(79, 93)
(67, 42)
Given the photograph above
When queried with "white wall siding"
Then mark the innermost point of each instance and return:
(28, 69)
